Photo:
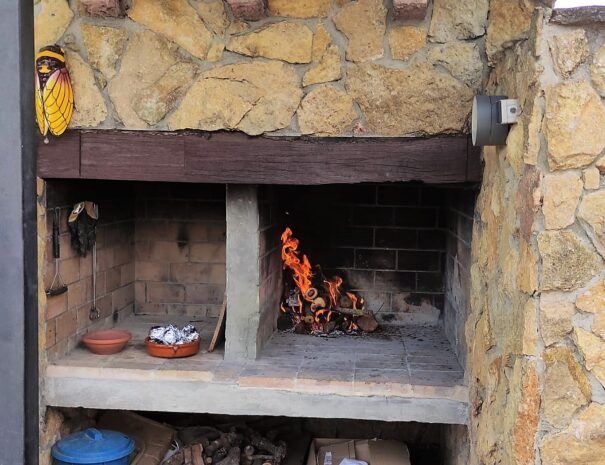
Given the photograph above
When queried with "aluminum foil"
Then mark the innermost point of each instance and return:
(172, 335)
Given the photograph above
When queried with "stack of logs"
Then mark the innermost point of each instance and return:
(241, 445)
(324, 309)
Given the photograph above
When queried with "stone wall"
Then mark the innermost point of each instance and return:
(535, 332)
(320, 67)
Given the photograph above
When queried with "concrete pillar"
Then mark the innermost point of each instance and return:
(18, 251)
(243, 275)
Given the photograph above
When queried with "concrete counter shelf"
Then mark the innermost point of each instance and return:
(408, 374)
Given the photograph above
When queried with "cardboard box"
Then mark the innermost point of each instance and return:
(372, 451)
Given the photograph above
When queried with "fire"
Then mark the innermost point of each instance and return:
(301, 270)
(334, 289)
(315, 302)
(353, 298)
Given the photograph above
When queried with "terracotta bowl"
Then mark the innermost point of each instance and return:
(172, 351)
(107, 341)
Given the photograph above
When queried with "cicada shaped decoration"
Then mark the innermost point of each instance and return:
(54, 94)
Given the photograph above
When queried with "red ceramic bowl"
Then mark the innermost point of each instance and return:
(107, 341)
(172, 351)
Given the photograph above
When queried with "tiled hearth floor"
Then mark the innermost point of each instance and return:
(399, 364)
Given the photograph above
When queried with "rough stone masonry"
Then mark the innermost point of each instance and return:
(313, 67)
(538, 277)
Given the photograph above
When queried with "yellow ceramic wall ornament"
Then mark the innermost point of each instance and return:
(54, 93)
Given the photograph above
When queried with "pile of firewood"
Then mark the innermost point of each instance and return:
(314, 303)
(324, 308)
(241, 445)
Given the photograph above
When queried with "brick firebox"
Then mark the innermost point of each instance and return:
(182, 247)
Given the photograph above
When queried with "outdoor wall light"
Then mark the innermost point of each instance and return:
(491, 118)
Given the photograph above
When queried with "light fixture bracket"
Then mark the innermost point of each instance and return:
(491, 118)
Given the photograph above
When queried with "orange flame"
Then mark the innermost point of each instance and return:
(301, 269)
(353, 298)
(319, 312)
(333, 288)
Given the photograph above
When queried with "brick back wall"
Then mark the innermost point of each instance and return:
(180, 249)
(269, 261)
(67, 315)
(460, 213)
(387, 241)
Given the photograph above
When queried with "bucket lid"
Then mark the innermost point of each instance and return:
(93, 446)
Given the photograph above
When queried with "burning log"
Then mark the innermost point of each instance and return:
(314, 302)
(367, 323)
(311, 293)
(300, 328)
(353, 311)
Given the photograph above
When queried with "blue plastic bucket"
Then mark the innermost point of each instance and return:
(93, 447)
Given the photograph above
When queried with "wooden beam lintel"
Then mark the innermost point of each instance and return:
(234, 158)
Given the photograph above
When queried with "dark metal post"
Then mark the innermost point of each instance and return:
(18, 255)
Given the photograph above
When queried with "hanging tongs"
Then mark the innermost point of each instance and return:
(82, 224)
(57, 287)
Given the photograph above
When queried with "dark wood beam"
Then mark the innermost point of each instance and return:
(60, 158)
(234, 158)
(132, 156)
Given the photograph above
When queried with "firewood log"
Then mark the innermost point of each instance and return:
(196, 454)
(232, 457)
(176, 459)
(300, 328)
(329, 326)
(198, 434)
(277, 450)
(187, 456)
(311, 293)
(367, 323)
(352, 312)
(247, 453)
(223, 442)
(219, 455)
